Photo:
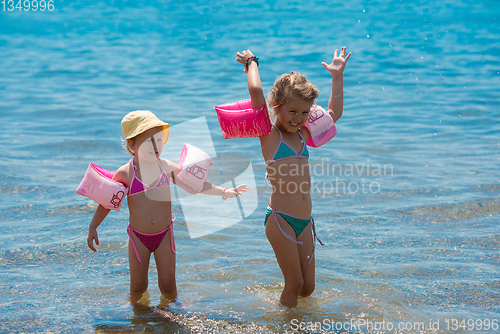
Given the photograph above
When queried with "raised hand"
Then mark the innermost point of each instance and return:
(243, 57)
(338, 63)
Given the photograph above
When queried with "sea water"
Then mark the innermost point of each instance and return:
(406, 196)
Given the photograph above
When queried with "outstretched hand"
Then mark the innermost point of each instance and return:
(243, 57)
(338, 63)
(234, 192)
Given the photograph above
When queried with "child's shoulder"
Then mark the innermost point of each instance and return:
(123, 174)
(169, 166)
(272, 136)
(305, 134)
(125, 168)
(269, 142)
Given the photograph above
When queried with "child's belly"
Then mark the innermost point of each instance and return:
(149, 215)
(291, 183)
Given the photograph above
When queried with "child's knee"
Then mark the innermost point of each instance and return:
(168, 287)
(307, 289)
(138, 287)
(295, 284)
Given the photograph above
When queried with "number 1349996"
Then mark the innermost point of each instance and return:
(27, 5)
(472, 324)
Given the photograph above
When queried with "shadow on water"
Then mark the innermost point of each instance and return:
(144, 318)
(173, 317)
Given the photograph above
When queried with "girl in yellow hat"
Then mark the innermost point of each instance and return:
(147, 178)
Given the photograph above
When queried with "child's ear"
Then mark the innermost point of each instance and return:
(130, 145)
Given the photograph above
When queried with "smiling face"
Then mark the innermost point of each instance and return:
(148, 145)
(293, 114)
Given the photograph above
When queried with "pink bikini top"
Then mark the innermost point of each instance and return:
(137, 186)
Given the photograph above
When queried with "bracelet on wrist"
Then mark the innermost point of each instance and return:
(253, 58)
(223, 194)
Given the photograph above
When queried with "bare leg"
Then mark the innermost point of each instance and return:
(165, 264)
(305, 253)
(288, 257)
(138, 270)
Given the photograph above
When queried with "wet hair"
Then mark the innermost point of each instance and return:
(290, 85)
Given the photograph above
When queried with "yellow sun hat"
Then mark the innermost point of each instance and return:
(136, 122)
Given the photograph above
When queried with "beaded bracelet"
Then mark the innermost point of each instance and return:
(247, 63)
(223, 192)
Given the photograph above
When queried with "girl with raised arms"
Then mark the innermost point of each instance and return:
(289, 225)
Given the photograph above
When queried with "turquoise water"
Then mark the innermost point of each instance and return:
(405, 197)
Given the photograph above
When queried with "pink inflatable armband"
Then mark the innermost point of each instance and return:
(195, 165)
(97, 184)
(320, 126)
(239, 120)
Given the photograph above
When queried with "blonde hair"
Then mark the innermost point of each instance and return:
(288, 85)
(125, 146)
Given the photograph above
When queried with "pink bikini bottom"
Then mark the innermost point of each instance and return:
(151, 241)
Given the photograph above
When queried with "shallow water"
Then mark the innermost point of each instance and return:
(405, 197)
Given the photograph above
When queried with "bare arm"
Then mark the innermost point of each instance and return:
(101, 212)
(99, 215)
(336, 69)
(213, 190)
(336, 102)
(253, 79)
(208, 188)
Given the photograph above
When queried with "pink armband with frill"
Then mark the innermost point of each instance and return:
(239, 120)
